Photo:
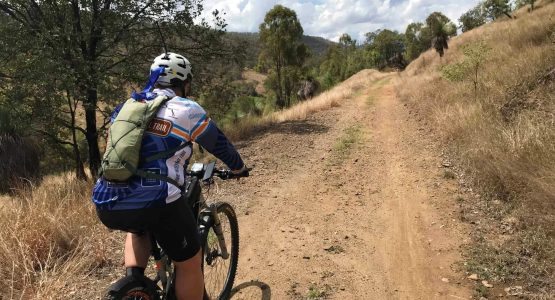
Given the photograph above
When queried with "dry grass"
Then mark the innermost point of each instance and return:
(257, 78)
(332, 98)
(504, 136)
(50, 241)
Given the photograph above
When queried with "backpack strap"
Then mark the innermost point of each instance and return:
(167, 153)
(150, 175)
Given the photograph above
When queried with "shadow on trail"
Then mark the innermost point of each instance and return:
(253, 289)
(297, 127)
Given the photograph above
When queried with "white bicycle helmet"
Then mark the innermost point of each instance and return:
(176, 67)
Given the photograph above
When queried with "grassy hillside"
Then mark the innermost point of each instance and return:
(492, 98)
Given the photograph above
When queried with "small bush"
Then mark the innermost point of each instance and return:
(20, 161)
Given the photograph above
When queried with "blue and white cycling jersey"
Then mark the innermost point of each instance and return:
(178, 121)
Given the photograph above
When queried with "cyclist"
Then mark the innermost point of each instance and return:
(143, 205)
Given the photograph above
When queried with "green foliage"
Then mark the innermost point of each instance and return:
(455, 71)
(343, 147)
(61, 56)
(497, 8)
(475, 55)
(282, 51)
(473, 18)
(417, 40)
(347, 41)
(522, 3)
(441, 29)
(386, 44)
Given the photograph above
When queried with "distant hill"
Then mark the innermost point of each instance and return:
(318, 45)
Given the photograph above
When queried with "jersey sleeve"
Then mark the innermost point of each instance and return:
(214, 141)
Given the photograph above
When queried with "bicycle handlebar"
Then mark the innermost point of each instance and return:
(206, 172)
(226, 174)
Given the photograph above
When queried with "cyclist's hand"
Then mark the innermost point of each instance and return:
(243, 172)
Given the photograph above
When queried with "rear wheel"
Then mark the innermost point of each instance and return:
(219, 272)
(133, 288)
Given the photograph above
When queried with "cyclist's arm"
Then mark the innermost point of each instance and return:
(214, 141)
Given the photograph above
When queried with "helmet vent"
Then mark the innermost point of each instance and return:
(164, 66)
(180, 57)
(180, 74)
(166, 57)
(183, 66)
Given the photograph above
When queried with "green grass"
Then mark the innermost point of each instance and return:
(315, 292)
(343, 147)
(351, 137)
(382, 82)
(371, 100)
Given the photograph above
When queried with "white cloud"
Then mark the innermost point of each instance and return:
(331, 18)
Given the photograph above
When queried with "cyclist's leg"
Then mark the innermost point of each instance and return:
(189, 280)
(137, 250)
(137, 246)
(177, 234)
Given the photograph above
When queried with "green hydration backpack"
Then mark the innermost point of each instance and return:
(122, 156)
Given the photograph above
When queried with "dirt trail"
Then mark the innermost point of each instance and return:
(348, 204)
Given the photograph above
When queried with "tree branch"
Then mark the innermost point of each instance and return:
(77, 27)
(12, 12)
(125, 27)
(54, 138)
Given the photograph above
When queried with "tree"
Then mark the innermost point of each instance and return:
(79, 53)
(280, 36)
(473, 18)
(417, 40)
(496, 8)
(522, 3)
(346, 41)
(386, 43)
(441, 29)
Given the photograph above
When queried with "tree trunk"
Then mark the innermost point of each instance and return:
(92, 132)
(79, 168)
(279, 101)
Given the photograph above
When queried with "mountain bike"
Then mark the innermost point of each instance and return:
(219, 236)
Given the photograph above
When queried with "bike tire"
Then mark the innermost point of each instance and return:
(133, 288)
(212, 290)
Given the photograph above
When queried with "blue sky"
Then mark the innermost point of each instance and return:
(331, 18)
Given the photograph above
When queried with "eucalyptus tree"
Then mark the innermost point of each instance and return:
(473, 18)
(63, 56)
(282, 50)
(417, 40)
(497, 8)
(522, 3)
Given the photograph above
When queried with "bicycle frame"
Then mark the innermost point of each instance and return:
(207, 217)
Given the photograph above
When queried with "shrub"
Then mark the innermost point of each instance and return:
(20, 160)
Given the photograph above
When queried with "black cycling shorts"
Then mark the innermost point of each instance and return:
(174, 227)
